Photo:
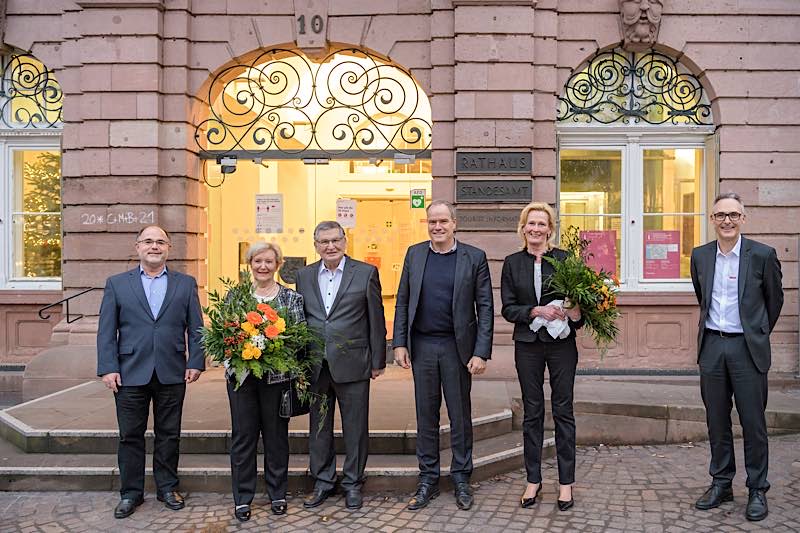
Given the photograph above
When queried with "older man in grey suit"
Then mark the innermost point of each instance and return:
(738, 286)
(146, 316)
(444, 321)
(342, 301)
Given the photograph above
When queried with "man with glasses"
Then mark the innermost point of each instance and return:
(738, 286)
(146, 317)
(343, 304)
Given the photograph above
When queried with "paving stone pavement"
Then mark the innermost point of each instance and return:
(619, 488)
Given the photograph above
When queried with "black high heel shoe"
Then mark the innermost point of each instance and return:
(566, 505)
(530, 502)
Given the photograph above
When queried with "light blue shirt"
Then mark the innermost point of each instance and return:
(155, 289)
(723, 313)
(329, 281)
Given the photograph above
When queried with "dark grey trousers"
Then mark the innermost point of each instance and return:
(353, 399)
(437, 367)
(727, 370)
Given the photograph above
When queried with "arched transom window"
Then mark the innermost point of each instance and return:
(636, 165)
(30, 173)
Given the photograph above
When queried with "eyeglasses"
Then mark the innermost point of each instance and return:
(150, 242)
(335, 242)
(733, 215)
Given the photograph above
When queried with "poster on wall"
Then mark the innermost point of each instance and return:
(662, 257)
(346, 212)
(602, 249)
(269, 213)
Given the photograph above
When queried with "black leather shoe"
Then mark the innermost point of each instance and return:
(126, 507)
(353, 499)
(757, 505)
(463, 494)
(425, 493)
(317, 497)
(278, 507)
(242, 513)
(172, 500)
(530, 502)
(715, 496)
(564, 505)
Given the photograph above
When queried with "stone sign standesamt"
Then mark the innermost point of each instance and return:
(494, 191)
(494, 163)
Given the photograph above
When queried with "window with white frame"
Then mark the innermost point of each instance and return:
(30, 174)
(633, 131)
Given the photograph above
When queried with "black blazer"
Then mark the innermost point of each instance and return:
(760, 294)
(473, 305)
(519, 296)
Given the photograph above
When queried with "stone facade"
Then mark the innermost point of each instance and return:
(135, 72)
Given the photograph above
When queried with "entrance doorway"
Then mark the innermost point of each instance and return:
(307, 192)
(343, 137)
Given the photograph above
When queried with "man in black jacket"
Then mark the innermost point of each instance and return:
(444, 320)
(738, 286)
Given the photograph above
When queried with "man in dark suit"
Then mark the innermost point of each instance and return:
(146, 317)
(738, 285)
(443, 324)
(342, 302)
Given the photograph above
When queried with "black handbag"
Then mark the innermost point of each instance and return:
(291, 405)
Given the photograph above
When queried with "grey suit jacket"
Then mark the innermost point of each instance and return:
(473, 304)
(355, 330)
(134, 343)
(760, 294)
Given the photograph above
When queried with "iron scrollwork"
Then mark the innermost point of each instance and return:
(282, 101)
(630, 87)
(30, 96)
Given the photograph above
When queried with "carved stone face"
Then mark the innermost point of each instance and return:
(640, 21)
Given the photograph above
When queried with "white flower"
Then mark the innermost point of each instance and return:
(259, 341)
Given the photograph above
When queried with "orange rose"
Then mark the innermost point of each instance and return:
(271, 315)
(254, 318)
(271, 332)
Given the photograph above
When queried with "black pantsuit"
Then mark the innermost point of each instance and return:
(133, 409)
(353, 398)
(437, 367)
(561, 359)
(724, 372)
(532, 352)
(254, 409)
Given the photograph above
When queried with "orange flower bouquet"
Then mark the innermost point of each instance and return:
(255, 338)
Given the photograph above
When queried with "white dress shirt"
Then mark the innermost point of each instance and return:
(329, 281)
(723, 314)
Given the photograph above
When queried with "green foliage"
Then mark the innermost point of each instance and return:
(231, 338)
(593, 292)
(42, 233)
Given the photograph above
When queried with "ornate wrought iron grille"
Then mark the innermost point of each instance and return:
(620, 86)
(30, 96)
(349, 101)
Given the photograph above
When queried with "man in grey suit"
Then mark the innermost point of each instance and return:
(443, 324)
(342, 301)
(738, 286)
(146, 317)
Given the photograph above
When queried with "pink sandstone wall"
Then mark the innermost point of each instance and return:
(134, 73)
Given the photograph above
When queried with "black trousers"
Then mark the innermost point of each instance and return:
(561, 359)
(133, 409)
(726, 370)
(437, 367)
(353, 399)
(254, 409)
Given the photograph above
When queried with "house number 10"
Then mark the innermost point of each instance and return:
(316, 24)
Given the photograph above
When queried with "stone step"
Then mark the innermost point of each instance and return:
(86, 441)
(211, 472)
